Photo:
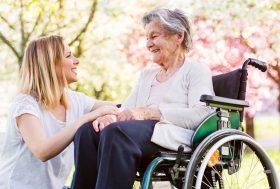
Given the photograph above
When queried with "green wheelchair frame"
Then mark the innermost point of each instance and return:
(220, 133)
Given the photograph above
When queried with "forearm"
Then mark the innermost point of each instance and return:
(49, 147)
(54, 145)
(100, 103)
(188, 118)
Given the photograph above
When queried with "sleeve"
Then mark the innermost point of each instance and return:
(86, 102)
(199, 83)
(130, 101)
(25, 104)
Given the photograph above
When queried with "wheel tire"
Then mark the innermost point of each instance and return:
(195, 174)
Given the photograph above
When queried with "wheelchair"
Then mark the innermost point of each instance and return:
(223, 156)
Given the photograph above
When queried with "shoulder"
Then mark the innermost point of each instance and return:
(195, 68)
(151, 70)
(72, 93)
(75, 96)
(25, 99)
(24, 103)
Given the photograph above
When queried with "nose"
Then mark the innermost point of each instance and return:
(76, 60)
(149, 44)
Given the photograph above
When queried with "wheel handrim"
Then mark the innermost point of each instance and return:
(256, 176)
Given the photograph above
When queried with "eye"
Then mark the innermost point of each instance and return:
(154, 36)
(68, 55)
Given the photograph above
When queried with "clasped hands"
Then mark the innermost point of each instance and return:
(128, 114)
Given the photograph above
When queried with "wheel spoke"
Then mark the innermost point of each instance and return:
(252, 170)
(257, 182)
(210, 184)
(242, 164)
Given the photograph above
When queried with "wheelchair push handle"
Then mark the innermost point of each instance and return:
(256, 63)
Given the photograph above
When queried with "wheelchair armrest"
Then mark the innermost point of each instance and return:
(226, 103)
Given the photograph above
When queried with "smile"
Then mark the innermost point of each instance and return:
(74, 71)
(155, 51)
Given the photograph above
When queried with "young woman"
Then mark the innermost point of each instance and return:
(45, 117)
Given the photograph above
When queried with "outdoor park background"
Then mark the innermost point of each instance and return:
(109, 39)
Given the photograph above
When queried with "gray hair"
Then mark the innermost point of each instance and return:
(173, 22)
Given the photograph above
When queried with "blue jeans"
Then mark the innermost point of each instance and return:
(110, 159)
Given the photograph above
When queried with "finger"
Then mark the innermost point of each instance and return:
(120, 117)
(101, 126)
(95, 126)
(114, 112)
(105, 125)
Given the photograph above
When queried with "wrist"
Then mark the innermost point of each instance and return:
(84, 119)
(152, 114)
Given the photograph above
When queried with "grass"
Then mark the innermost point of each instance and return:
(268, 126)
(274, 156)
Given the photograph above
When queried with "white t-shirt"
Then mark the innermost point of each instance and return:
(19, 168)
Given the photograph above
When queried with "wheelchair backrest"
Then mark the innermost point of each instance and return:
(228, 84)
(231, 85)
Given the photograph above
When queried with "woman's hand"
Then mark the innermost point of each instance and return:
(99, 112)
(101, 122)
(104, 110)
(132, 114)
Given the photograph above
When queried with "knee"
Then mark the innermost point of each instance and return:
(110, 130)
(84, 131)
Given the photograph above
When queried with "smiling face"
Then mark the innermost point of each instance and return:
(70, 63)
(160, 43)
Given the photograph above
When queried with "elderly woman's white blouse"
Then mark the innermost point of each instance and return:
(180, 107)
(19, 168)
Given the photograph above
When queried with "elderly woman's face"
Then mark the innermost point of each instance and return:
(162, 45)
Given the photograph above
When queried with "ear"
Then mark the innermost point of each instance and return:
(180, 37)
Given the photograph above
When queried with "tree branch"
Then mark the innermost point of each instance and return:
(22, 28)
(246, 42)
(271, 76)
(45, 27)
(38, 19)
(7, 22)
(90, 18)
(8, 43)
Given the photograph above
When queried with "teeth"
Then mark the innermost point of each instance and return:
(75, 71)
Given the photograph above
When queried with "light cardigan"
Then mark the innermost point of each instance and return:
(181, 109)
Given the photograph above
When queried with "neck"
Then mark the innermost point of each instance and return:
(174, 62)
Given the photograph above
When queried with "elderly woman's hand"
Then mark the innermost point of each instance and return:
(132, 114)
(142, 113)
(101, 122)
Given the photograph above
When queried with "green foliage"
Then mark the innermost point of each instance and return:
(106, 81)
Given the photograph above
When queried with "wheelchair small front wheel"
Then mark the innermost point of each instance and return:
(235, 161)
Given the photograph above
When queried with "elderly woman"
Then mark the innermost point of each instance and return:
(161, 113)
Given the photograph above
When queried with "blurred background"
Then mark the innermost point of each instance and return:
(109, 39)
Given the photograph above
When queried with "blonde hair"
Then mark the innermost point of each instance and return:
(43, 58)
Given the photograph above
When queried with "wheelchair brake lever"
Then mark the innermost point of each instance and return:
(180, 154)
(175, 170)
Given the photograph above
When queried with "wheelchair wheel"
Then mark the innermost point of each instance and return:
(233, 161)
